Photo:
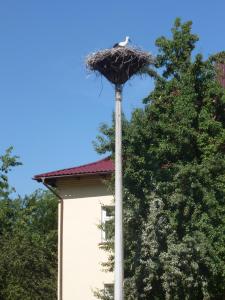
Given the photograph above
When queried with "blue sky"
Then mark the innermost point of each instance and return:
(50, 107)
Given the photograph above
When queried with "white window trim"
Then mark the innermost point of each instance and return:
(104, 219)
(107, 287)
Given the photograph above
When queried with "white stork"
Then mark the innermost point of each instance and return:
(122, 44)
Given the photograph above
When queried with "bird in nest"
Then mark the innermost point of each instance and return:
(124, 43)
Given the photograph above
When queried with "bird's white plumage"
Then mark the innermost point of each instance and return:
(123, 44)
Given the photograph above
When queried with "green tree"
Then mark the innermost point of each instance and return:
(28, 241)
(7, 162)
(174, 178)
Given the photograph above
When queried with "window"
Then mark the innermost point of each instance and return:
(107, 222)
(109, 290)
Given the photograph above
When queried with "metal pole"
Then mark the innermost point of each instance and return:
(118, 290)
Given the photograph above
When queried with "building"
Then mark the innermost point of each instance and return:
(84, 203)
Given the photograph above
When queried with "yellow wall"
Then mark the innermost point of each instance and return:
(82, 258)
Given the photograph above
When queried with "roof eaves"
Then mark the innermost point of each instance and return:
(40, 178)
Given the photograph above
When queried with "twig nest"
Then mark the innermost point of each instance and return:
(119, 64)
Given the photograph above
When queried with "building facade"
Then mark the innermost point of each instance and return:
(85, 205)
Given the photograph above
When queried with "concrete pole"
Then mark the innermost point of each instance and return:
(119, 273)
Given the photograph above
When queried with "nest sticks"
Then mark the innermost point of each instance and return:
(119, 64)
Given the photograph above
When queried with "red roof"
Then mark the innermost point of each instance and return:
(100, 167)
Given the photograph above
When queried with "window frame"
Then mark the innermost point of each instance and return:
(105, 219)
(109, 289)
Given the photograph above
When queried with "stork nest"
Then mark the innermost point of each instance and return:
(119, 64)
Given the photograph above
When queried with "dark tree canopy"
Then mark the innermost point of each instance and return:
(28, 241)
(174, 178)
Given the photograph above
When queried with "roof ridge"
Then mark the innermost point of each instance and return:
(93, 163)
(75, 167)
(85, 165)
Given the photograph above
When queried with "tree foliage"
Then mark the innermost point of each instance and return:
(28, 241)
(7, 161)
(174, 178)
